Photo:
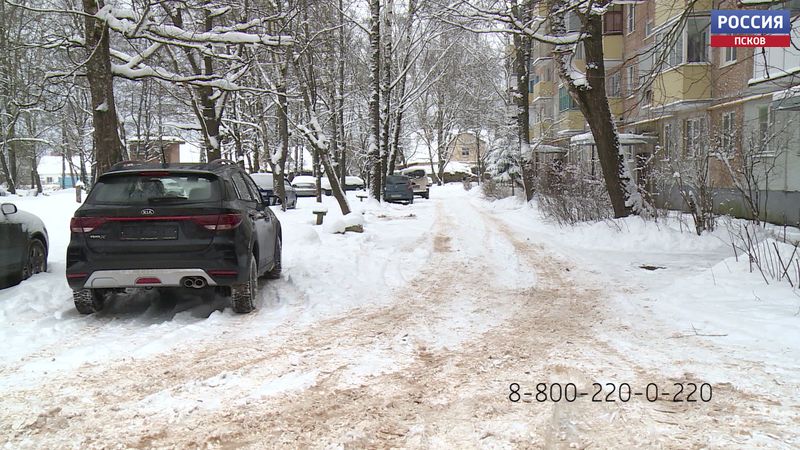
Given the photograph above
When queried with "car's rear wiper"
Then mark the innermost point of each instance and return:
(166, 199)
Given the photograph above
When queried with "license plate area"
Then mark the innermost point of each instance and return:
(149, 232)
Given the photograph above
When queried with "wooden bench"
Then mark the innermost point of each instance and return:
(320, 210)
(361, 196)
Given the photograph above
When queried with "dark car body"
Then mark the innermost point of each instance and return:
(23, 245)
(398, 189)
(266, 184)
(182, 225)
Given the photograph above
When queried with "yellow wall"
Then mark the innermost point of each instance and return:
(543, 89)
(687, 82)
(612, 46)
(570, 120)
(615, 104)
(668, 9)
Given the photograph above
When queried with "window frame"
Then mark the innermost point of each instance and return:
(728, 139)
(724, 53)
(610, 19)
(631, 80)
(630, 18)
(239, 194)
(694, 129)
(614, 85)
(572, 105)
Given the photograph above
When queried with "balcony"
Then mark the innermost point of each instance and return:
(542, 89)
(667, 10)
(570, 120)
(684, 83)
(612, 47)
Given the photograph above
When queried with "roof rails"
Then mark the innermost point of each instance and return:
(220, 162)
(128, 164)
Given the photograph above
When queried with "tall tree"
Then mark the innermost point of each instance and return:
(108, 147)
(374, 154)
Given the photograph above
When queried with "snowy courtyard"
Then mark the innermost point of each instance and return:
(412, 334)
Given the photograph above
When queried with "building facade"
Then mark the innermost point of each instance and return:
(732, 114)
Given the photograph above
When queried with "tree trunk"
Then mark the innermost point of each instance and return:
(593, 103)
(522, 56)
(340, 100)
(283, 134)
(373, 154)
(386, 90)
(108, 148)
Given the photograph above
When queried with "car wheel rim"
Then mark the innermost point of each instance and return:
(35, 260)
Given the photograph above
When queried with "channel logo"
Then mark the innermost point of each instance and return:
(737, 28)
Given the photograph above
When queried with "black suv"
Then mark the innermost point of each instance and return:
(149, 225)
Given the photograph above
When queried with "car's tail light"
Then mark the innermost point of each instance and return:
(147, 280)
(218, 222)
(223, 273)
(86, 224)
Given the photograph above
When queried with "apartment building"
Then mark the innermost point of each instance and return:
(675, 100)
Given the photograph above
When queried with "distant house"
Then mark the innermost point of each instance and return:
(468, 149)
(51, 168)
(149, 148)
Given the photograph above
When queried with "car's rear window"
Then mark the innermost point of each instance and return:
(150, 189)
(396, 180)
(415, 173)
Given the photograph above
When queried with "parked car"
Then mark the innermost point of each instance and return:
(352, 183)
(398, 188)
(24, 247)
(216, 232)
(266, 184)
(305, 185)
(420, 181)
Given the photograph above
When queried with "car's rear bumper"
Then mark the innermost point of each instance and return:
(145, 278)
(219, 265)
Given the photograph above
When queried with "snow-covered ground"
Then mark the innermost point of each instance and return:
(409, 335)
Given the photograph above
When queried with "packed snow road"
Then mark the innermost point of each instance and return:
(409, 335)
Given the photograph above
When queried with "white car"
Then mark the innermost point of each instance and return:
(305, 185)
(352, 183)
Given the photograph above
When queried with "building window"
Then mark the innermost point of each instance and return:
(764, 129)
(697, 41)
(690, 45)
(675, 56)
(612, 22)
(631, 79)
(728, 132)
(647, 97)
(668, 140)
(464, 151)
(573, 22)
(49, 180)
(694, 137)
(614, 85)
(728, 55)
(648, 28)
(565, 101)
(631, 18)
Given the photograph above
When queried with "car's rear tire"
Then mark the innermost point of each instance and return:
(275, 272)
(36, 260)
(426, 195)
(88, 301)
(243, 295)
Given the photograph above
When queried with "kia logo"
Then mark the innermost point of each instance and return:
(148, 212)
